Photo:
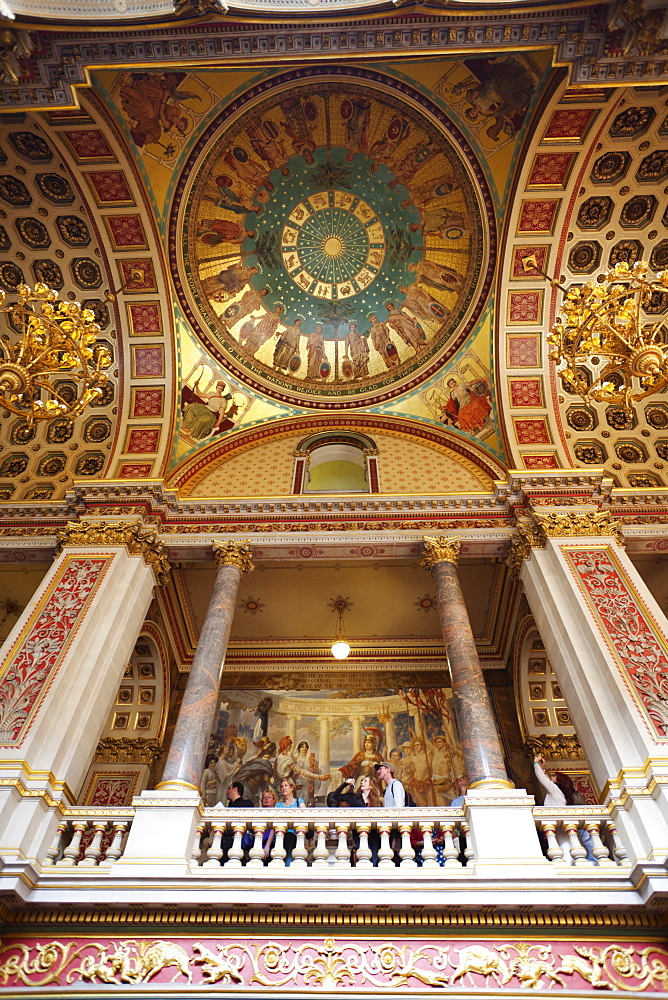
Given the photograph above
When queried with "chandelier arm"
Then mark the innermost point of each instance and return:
(613, 330)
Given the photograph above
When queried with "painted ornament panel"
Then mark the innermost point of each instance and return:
(32, 664)
(630, 634)
(331, 240)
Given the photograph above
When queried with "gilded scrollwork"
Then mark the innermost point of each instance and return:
(239, 554)
(124, 750)
(136, 539)
(576, 525)
(436, 550)
(559, 747)
(331, 965)
(526, 538)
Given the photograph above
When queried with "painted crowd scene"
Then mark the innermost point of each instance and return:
(321, 739)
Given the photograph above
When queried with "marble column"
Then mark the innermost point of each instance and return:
(196, 718)
(480, 741)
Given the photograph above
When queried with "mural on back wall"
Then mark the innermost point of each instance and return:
(322, 738)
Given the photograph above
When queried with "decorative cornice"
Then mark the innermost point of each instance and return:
(239, 554)
(575, 525)
(558, 747)
(137, 541)
(579, 38)
(127, 751)
(283, 919)
(437, 550)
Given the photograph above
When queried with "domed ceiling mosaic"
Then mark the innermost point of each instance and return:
(333, 238)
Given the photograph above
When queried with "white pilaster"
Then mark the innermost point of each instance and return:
(582, 618)
(62, 681)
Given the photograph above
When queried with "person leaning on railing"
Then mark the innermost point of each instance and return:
(366, 795)
(289, 801)
(560, 792)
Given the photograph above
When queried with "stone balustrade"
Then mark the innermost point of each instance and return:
(415, 839)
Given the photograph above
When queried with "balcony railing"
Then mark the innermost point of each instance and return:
(229, 840)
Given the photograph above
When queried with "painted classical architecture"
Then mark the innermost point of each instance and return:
(323, 246)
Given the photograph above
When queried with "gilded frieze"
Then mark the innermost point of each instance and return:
(330, 964)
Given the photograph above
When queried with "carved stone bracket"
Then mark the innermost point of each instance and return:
(574, 525)
(239, 554)
(558, 747)
(127, 751)
(137, 540)
(436, 550)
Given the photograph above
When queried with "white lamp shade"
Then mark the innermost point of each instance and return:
(340, 649)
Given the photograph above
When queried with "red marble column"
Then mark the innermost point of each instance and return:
(194, 724)
(483, 755)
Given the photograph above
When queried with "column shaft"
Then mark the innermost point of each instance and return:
(194, 724)
(483, 755)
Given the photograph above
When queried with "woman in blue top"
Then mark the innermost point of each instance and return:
(289, 801)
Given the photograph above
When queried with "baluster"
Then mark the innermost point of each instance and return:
(114, 850)
(320, 853)
(364, 851)
(93, 851)
(554, 851)
(618, 850)
(578, 852)
(450, 852)
(278, 852)
(196, 852)
(407, 854)
(385, 854)
(300, 852)
(256, 853)
(53, 851)
(235, 855)
(468, 850)
(214, 854)
(429, 856)
(598, 848)
(71, 852)
(342, 853)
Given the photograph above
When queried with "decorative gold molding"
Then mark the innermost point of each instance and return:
(239, 554)
(137, 540)
(574, 525)
(16, 45)
(286, 920)
(127, 751)
(527, 537)
(436, 550)
(559, 747)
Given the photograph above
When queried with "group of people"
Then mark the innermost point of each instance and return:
(383, 789)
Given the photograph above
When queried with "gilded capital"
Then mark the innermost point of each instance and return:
(137, 540)
(127, 751)
(436, 550)
(527, 537)
(559, 747)
(239, 554)
(574, 525)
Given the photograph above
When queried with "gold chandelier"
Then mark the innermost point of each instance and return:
(49, 338)
(609, 349)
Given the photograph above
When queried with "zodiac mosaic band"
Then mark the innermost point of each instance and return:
(335, 234)
(345, 964)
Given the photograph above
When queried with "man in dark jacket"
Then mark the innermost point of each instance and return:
(235, 796)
